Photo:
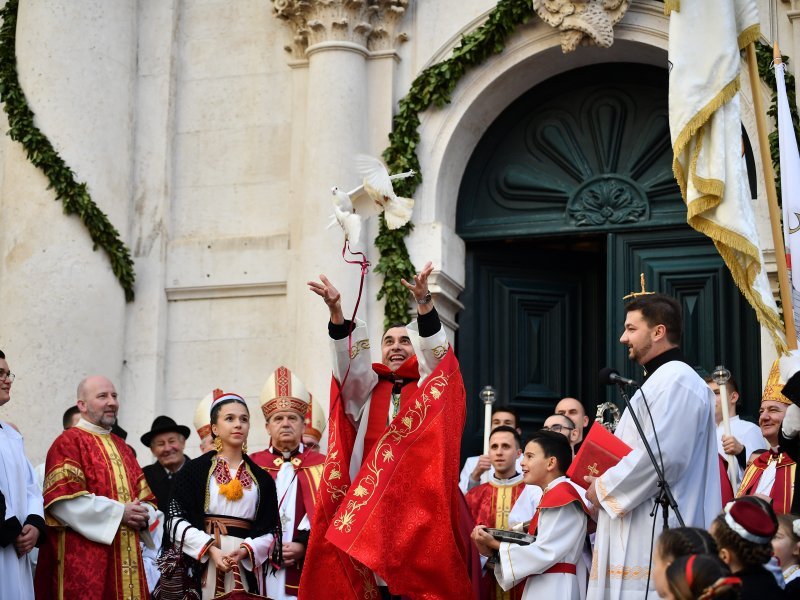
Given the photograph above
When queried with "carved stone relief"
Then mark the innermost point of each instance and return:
(368, 23)
(586, 22)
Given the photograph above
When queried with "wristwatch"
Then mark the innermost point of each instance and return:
(426, 300)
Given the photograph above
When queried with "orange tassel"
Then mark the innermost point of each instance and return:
(232, 490)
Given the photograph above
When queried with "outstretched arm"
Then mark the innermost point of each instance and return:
(420, 289)
(331, 296)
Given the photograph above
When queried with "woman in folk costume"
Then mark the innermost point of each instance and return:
(227, 507)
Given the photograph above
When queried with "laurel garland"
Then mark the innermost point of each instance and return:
(74, 195)
(431, 87)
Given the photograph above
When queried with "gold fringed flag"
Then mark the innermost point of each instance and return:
(705, 37)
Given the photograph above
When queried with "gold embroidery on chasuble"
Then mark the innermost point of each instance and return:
(384, 451)
(505, 499)
(128, 556)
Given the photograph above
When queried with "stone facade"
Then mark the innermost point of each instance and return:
(211, 132)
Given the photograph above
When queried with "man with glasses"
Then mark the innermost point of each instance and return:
(572, 408)
(563, 424)
(22, 517)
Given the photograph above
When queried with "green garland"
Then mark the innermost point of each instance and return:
(73, 195)
(431, 87)
(764, 59)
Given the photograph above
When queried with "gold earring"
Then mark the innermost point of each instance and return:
(244, 447)
(218, 444)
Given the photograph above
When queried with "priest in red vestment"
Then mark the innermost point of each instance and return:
(390, 512)
(97, 508)
(491, 502)
(772, 473)
(296, 471)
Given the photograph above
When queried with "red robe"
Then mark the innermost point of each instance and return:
(782, 490)
(401, 517)
(70, 565)
(308, 469)
(490, 504)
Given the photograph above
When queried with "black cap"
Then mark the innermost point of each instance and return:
(164, 424)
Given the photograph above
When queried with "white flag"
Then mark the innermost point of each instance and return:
(705, 37)
(790, 188)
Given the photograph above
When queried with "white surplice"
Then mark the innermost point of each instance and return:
(560, 537)
(748, 434)
(23, 498)
(682, 406)
(464, 481)
(286, 485)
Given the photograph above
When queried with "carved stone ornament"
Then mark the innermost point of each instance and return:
(612, 199)
(368, 23)
(584, 22)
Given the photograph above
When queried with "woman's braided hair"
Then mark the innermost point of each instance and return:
(749, 554)
(681, 541)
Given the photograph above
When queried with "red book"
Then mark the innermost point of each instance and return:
(599, 451)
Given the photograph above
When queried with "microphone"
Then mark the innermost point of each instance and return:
(610, 376)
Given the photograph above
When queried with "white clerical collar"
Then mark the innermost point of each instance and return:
(516, 478)
(91, 427)
(554, 483)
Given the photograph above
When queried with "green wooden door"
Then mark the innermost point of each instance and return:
(569, 196)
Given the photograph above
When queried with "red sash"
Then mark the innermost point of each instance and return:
(382, 397)
(561, 495)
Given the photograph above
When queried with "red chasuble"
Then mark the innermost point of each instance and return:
(71, 566)
(490, 504)
(782, 490)
(308, 470)
(401, 516)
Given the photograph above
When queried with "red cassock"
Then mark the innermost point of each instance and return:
(308, 470)
(403, 516)
(490, 504)
(71, 566)
(782, 490)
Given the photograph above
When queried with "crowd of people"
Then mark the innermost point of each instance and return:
(290, 522)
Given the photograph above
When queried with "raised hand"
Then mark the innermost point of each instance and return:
(420, 288)
(331, 296)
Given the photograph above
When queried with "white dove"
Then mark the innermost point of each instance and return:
(378, 184)
(344, 214)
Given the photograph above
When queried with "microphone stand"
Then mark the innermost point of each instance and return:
(665, 497)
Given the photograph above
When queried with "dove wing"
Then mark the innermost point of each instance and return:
(375, 174)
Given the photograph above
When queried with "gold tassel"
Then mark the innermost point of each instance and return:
(232, 490)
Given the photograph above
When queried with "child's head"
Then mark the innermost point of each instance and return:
(744, 532)
(674, 543)
(702, 577)
(547, 457)
(786, 543)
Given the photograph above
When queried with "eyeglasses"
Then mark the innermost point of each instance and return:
(557, 428)
(7, 375)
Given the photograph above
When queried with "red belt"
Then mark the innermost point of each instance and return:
(568, 568)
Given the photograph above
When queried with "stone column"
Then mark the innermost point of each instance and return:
(63, 311)
(334, 36)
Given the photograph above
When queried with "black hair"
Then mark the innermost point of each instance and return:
(66, 420)
(509, 410)
(681, 541)
(218, 406)
(2, 355)
(554, 444)
(660, 309)
(507, 429)
(730, 384)
(707, 577)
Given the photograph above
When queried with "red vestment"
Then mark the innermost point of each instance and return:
(71, 566)
(490, 504)
(401, 516)
(782, 490)
(308, 470)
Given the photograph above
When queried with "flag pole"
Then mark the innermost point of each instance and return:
(772, 201)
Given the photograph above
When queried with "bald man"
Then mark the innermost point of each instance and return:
(572, 408)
